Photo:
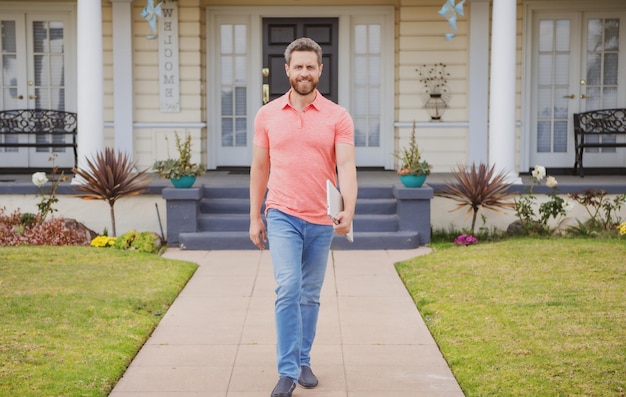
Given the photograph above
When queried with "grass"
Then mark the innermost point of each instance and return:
(527, 317)
(73, 318)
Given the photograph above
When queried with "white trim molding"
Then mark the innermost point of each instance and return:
(478, 106)
(123, 75)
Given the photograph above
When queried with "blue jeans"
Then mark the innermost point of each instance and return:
(299, 252)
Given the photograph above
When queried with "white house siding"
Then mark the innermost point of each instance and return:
(152, 125)
(107, 57)
(520, 161)
(421, 41)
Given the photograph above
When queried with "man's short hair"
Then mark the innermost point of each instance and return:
(303, 44)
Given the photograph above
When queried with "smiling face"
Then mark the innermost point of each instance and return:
(304, 72)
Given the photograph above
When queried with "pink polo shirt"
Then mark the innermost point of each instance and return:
(302, 153)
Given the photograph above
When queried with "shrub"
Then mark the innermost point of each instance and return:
(141, 241)
(476, 188)
(110, 176)
(20, 229)
(602, 211)
(556, 207)
(47, 199)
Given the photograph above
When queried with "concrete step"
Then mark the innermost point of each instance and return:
(234, 205)
(225, 205)
(385, 218)
(216, 240)
(378, 240)
(240, 240)
(226, 191)
(238, 222)
(375, 192)
(243, 192)
(376, 222)
(226, 222)
(375, 206)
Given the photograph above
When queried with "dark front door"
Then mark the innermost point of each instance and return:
(279, 32)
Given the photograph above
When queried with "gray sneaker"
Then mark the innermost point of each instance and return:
(307, 379)
(284, 387)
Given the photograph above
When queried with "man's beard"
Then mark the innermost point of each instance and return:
(303, 89)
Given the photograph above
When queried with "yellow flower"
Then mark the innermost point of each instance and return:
(103, 241)
(622, 229)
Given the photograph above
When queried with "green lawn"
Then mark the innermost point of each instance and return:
(74, 317)
(528, 317)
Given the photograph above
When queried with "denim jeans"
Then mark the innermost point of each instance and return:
(299, 252)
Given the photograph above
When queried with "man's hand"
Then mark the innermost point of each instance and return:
(258, 235)
(342, 223)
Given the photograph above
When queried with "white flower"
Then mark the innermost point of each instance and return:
(539, 173)
(551, 182)
(568, 206)
(39, 179)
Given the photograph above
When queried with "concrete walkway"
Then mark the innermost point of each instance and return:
(218, 339)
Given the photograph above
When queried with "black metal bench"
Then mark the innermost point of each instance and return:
(597, 129)
(43, 128)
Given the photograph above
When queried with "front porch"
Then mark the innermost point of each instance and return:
(612, 180)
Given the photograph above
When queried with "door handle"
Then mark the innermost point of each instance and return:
(266, 93)
(569, 96)
(20, 97)
(583, 96)
(33, 97)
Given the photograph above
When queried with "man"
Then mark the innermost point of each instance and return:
(300, 140)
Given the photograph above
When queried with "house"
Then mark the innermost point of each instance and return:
(518, 70)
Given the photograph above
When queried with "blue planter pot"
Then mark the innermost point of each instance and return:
(412, 180)
(184, 182)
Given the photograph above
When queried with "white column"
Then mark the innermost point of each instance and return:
(123, 75)
(90, 89)
(502, 88)
(478, 81)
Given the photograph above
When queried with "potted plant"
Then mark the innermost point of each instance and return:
(413, 169)
(181, 171)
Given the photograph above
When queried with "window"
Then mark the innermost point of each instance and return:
(553, 75)
(233, 82)
(366, 88)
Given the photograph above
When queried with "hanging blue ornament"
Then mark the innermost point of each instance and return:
(449, 11)
(150, 13)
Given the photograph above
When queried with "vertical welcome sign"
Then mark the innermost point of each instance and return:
(168, 57)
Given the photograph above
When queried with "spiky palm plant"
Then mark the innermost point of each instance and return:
(478, 187)
(109, 177)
